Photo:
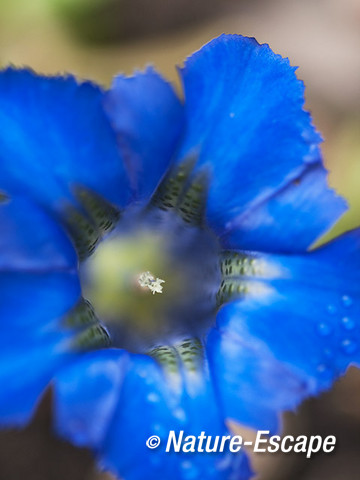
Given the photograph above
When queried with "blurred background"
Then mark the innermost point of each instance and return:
(98, 38)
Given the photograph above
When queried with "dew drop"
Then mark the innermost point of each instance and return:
(348, 346)
(328, 353)
(348, 323)
(158, 429)
(331, 309)
(325, 372)
(179, 413)
(153, 397)
(347, 301)
(189, 470)
(324, 329)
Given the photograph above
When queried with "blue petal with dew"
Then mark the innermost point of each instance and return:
(292, 219)
(113, 402)
(245, 122)
(291, 338)
(153, 404)
(85, 396)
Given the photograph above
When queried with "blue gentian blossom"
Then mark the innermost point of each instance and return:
(217, 198)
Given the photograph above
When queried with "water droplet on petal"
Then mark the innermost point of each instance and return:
(329, 353)
(186, 464)
(324, 329)
(153, 397)
(159, 429)
(325, 372)
(189, 470)
(331, 309)
(180, 414)
(347, 301)
(348, 323)
(348, 346)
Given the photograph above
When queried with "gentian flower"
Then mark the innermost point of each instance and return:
(156, 259)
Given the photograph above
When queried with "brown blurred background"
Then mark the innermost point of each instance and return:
(97, 39)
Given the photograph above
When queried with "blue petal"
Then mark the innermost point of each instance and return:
(291, 338)
(291, 220)
(30, 300)
(148, 119)
(33, 342)
(246, 123)
(31, 240)
(38, 285)
(54, 135)
(38, 278)
(153, 404)
(85, 397)
(25, 372)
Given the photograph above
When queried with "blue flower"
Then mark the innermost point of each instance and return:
(218, 199)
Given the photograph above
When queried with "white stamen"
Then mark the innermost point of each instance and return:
(152, 283)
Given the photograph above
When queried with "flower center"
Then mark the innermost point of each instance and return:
(153, 279)
(155, 275)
